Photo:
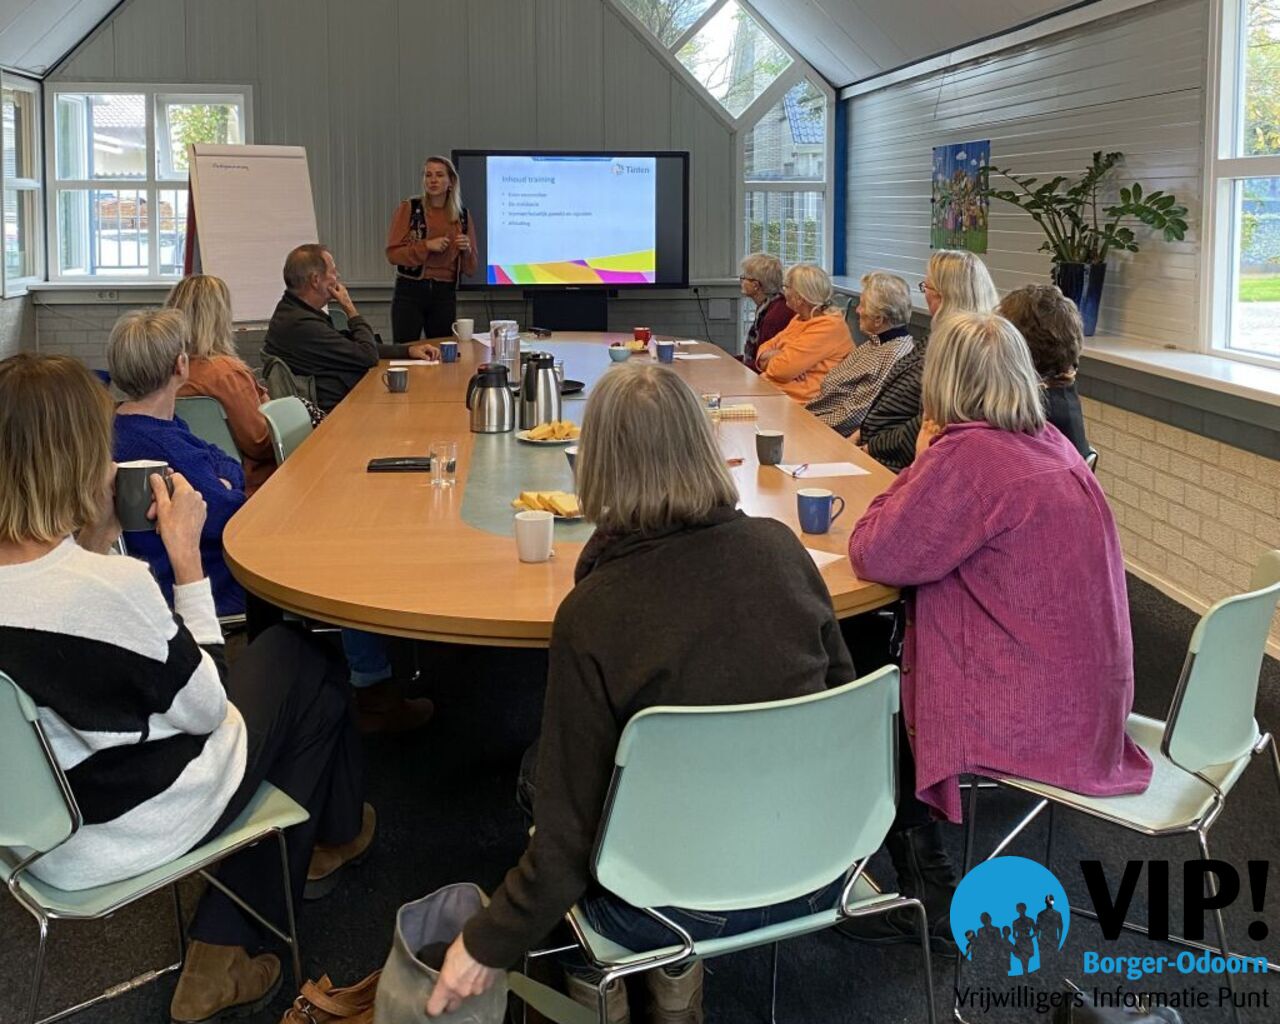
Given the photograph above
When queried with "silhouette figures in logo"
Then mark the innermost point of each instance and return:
(1048, 931)
(1024, 938)
(996, 947)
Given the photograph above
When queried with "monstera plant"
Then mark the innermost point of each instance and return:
(1082, 225)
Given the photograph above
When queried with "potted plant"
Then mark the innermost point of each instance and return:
(1080, 229)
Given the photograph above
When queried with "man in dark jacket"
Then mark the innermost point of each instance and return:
(302, 334)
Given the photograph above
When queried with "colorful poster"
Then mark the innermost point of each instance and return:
(959, 218)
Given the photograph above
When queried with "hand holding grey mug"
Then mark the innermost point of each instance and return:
(134, 496)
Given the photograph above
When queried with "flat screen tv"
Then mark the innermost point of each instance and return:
(549, 219)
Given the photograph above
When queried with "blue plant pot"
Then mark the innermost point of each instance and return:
(1082, 284)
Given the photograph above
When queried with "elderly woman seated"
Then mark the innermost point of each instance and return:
(653, 480)
(760, 278)
(1018, 604)
(799, 356)
(1050, 324)
(884, 314)
(162, 749)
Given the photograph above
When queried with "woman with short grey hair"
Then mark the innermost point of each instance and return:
(147, 356)
(760, 279)
(884, 314)
(670, 553)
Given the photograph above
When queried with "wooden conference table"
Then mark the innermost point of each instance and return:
(389, 553)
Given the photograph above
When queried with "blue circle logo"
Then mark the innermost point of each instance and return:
(1010, 913)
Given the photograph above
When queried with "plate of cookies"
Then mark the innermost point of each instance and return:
(555, 432)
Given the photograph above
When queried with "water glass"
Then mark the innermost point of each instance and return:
(444, 463)
(711, 402)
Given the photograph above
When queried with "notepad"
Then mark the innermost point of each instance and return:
(413, 362)
(820, 469)
(822, 559)
(696, 355)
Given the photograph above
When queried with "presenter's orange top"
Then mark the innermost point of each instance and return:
(804, 351)
(414, 223)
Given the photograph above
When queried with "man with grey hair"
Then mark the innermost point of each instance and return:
(884, 315)
(304, 337)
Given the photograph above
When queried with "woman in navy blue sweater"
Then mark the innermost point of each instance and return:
(146, 354)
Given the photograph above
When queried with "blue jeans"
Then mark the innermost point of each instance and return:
(624, 924)
(366, 657)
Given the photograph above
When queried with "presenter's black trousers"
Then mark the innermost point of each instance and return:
(422, 309)
(293, 694)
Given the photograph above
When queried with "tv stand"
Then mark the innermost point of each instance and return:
(569, 309)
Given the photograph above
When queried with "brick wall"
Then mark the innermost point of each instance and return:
(1194, 514)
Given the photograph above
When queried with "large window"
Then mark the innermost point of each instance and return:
(1242, 250)
(118, 171)
(23, 254)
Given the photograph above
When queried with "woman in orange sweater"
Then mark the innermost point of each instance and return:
(431, 243)
(218, 372)
(815, 341)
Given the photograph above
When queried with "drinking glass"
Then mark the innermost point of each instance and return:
(444, 463)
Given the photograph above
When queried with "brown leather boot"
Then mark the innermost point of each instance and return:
(382, 708)
(320, 1002)
(327, 862)
(220, 981)
(584, 993)
(675, 999)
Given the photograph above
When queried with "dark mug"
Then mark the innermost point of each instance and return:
(448, 351)
(396, 379)
(816, 508)
(133, 492)
(769, 447)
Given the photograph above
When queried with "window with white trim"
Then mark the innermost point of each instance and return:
(116, 161)
(20, 118)
(1242, 247)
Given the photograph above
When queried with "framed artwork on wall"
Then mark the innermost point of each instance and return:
(958, 207)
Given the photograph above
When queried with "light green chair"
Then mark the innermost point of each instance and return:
(290, 425)
(38, 813)
(1199, 752)
(731, 808)
(207, 419)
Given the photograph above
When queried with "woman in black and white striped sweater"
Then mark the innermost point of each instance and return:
(160, 752)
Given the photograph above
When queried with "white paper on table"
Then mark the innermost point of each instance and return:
(696, 355)
(413, 362)
(822, 559)
(820, 469)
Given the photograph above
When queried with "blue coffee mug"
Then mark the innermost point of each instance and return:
(666, 351)
(448, 351)
(816, 508)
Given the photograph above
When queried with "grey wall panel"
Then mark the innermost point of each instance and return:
(222, 41)
(567, 42)
(1132, 83)
(503, 74)
(35, 34)
(637, 90)
(434, 105)
(151, 41)
(94, 59)
(711, 184)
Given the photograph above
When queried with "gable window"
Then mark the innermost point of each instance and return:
(20, 119)
(118, 171)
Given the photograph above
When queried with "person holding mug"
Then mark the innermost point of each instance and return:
(431, 243)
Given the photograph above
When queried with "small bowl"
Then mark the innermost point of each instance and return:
(619, 353)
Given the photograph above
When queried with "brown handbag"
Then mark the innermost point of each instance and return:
(319, 1002)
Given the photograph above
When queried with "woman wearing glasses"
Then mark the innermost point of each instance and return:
(760, 279)
(955, 282)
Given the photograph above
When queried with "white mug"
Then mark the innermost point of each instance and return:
(534, 531)
(464, 329)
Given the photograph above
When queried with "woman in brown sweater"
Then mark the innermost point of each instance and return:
(218, 372)
(431, 243)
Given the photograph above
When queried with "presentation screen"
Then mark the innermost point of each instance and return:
(559, 220)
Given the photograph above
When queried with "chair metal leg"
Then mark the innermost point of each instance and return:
(773, 989)
(923, 918)
(1212, 883)
(1018, 830)
(1048, 843)
(37, 975)
(182, 925)
(288, 910)
(1275, 759)
(970, 831)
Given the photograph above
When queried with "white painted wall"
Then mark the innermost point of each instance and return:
(1133, 82)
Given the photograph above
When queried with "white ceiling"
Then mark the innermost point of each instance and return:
(36, 34)
(849, 40)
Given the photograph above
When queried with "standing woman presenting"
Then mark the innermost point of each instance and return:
(431, 243)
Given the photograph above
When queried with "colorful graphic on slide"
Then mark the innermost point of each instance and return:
(548, 215)
(629, 268)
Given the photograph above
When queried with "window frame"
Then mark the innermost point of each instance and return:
(151, 184)
(17, 286)
(1223, 168)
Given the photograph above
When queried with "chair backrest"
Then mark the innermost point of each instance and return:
(282, 382)
(37, 809)
(725, 808)
(290, 425)
(207, 419)
(1211, 720)
(1091, 459)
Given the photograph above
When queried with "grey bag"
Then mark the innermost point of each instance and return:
(407, 982)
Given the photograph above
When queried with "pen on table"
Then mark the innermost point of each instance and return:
(799, 469)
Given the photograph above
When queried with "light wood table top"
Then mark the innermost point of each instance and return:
(389, 553)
